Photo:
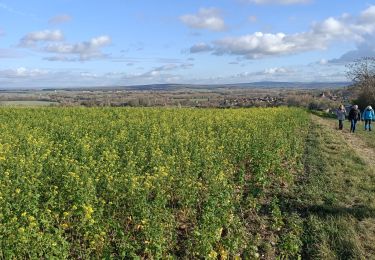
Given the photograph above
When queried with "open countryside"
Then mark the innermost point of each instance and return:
(219, 130)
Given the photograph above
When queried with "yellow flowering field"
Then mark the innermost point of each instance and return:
(148, 182)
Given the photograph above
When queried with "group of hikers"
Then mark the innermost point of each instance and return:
(354, 116)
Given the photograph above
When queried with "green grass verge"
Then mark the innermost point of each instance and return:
(367, 136)
(335, 198)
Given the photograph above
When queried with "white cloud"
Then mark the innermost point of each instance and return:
(276, 70)
(31, 39)
(281, 2)
(52, 41)
(58, 19)
(84, 50)
(60, 58)
(254, 46)
(36, 78)
(22, 72)
(302, 73)
(206, 18)
(364, 48)
(320, 36)
(200, 47)
(158, 71)
(331, 27)
(366, 21)
(368, 15)
(89, 75)
(363, 30)
(163, 74)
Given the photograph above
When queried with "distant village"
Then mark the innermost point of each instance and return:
(233, 98)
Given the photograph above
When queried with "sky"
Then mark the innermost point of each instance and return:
(71, 43)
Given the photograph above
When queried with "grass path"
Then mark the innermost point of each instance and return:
(336, 195)
(355, 141)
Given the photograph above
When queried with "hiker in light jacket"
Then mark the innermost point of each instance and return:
(368, 115)
(341, 113)
(354, 116)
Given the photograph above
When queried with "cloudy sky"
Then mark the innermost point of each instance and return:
(62, 43)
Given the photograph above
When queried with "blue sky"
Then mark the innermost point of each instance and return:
(63, 43)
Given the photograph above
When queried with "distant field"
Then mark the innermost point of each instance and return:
(27, 103)
(102, 183)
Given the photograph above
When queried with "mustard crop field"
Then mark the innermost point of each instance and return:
(149, 183)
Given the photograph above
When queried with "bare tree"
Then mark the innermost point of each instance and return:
(362, 73)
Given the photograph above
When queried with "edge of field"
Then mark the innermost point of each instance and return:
(335, 198)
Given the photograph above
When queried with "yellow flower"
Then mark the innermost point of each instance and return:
(213, 254)
(32, 224)
(64, 225)
(74, 175)
(88, 211)
(223, 253)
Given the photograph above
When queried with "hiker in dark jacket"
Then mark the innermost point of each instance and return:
(368, 115)
(354, 116)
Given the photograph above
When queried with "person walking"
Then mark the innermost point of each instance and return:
(354, 116)
(368, 115)
(341, 113)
